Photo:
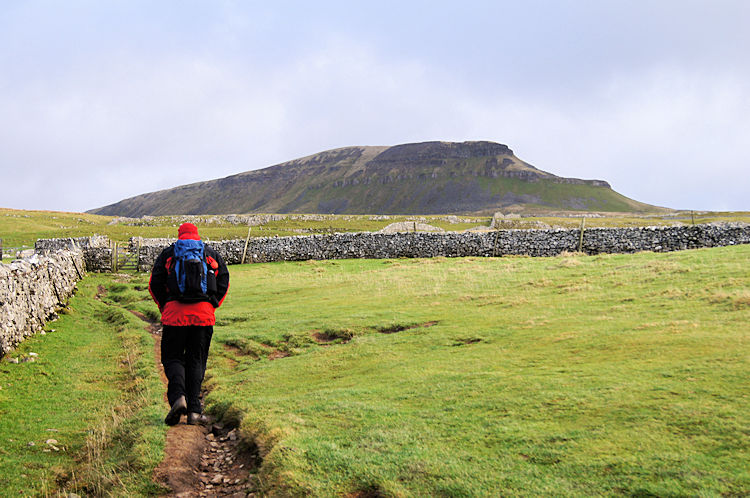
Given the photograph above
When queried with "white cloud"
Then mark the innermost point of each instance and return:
(148, 124)
(126, 123)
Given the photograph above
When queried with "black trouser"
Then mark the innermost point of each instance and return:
(184, 351)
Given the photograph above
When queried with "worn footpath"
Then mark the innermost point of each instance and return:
(203, 461)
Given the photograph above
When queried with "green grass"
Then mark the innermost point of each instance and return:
(621, 374)
(94, 389)
(569, 376)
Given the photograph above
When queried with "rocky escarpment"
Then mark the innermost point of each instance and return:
(419, 178)
(431, 160)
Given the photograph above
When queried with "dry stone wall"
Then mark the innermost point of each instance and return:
(550, 242)
(32, 290)
(97, 251)
(149, 249)
(664, 239)
(45, 246)
(98, 259)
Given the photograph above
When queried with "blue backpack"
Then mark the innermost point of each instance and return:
(190, 270)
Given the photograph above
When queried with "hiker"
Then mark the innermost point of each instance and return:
(189, 281)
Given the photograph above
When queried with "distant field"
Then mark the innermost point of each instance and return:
(19, 229)
(568, 376)
(23, 228)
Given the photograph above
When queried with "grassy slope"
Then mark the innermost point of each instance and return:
(95, 390)
(568, 376)
(20, 227)
(470, 191)
(414, 196)
(466, 192)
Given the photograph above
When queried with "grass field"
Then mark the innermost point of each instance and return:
(86, 416)
(569, 376)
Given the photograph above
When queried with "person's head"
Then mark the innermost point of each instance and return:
(188, 231)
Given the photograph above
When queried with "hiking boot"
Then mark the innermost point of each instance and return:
(179, 408)
(197, 419)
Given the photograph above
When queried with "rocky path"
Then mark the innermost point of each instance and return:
(203, 461)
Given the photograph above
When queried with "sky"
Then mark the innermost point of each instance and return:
(104, 100)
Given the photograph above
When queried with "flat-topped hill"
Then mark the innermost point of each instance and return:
(418, 178)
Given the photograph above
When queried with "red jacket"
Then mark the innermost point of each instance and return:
(176, 313)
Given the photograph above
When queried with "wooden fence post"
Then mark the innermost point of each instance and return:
(580, 240)
(244, 251)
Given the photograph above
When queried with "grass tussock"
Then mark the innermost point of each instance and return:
(334, 335)
(737, 300)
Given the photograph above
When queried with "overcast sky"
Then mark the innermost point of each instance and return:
(103, 100)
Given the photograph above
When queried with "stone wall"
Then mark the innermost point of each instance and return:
(44, 246)
(32, 290)
(97, 250)
(664, 239)
(98, 259)
(149, 249)
(460, 244)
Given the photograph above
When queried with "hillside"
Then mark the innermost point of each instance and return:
(419, 178)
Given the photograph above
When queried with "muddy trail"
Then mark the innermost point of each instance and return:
(203, 461)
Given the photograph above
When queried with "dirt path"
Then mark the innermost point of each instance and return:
(202, 461)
